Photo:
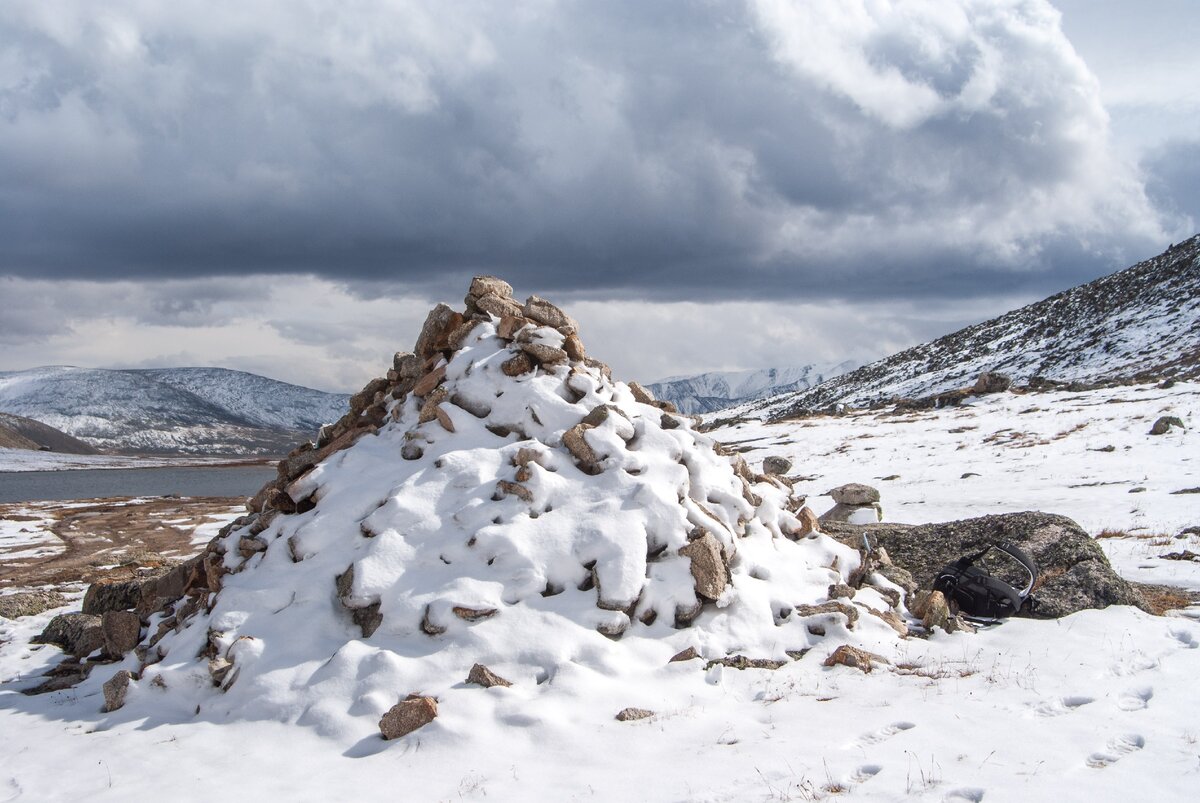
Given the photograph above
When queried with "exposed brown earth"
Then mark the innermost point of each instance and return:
(107, 538)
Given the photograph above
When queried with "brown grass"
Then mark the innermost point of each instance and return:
(1161, 599)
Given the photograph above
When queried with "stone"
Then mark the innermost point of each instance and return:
(934, 611)
(489, 286)
(63, 676)
(830, 607)
(499, 307)
(709, 569)
(122, 631)
(112, 596)
(30, 603)
(774, 464)
(690, 654)
(76, 633)
(368, 618)
(640, 394)
(438, 325)
(407, 716)
(1164, 423)
(742, 662)
(480, 675)
(511, 324)
(115, 689)
(1075, 574)
(991, 382)
(579, 448)
(860, 659)
(573, 346)
(631, 714)
(520, 364)
(430, 381)
(852, 514)
(248, 547)
(840, 591)
(545, 355)
(855, 493)
(443, 418)
(411, 450)
(508, 488)
(809, 523)
(473, 614)
(407, 365)
(429, 409)
(542, 311)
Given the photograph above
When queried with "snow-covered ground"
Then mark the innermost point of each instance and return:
(26, 460)
(1096, 706)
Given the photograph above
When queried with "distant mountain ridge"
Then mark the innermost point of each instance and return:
(1140, 322)
(716, 390)
(170, 410)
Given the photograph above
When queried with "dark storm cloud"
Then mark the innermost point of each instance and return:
(1174, 177)
(712, 152)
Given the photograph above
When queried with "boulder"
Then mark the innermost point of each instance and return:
(30, 603)
(1164, 423)
(640, 394)
(709, 570)
(499, 307)
(991, 382)
(1075, 574)
(774, 464)
(122, 632)
(855, 493)
(76, 633)
(543, 354)
(489, 286)
(115, 689)
(119, 596)
(438, 325)
(407, 716)
(542, 311)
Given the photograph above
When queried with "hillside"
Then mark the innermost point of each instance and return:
(716, 390)
(1141, 322)
(18, 432)
(170, 411)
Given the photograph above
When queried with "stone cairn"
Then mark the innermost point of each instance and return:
(116, 616)
(854, 503)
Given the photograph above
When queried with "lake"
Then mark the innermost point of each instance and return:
(29, 486)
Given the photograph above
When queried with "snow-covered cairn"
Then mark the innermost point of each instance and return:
(497, 499)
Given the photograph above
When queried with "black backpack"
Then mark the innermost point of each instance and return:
(980, 595)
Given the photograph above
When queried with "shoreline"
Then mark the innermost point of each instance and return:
(19, 461)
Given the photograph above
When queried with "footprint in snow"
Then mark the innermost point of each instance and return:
(865, 773)
(1062, 705)
(1117, 747)
(1186, 639)
(886, 732)
(971, 794)
(1135, 699)
(1133, 665)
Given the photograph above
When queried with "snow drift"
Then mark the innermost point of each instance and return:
(498, 499)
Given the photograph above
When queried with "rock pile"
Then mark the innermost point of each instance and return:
(495, 507)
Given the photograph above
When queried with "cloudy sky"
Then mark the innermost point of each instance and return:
(286, 187)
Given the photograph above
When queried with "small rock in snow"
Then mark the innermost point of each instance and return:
(407, 716)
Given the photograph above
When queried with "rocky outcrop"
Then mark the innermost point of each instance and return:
(30, 603)
(78, 634)
(1075, 574)
(992, 382)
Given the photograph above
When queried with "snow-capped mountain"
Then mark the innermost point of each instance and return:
(1141, 322)
(170, 410)
(716, 390)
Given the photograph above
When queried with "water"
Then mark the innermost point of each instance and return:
(28, 486)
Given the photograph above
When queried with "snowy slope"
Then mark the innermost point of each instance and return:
(18, 432)
(185, 411)
(715, 390)
(1100, 705)
(1141, 321)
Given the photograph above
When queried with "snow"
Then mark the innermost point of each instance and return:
(1099, 705)
(19, 460)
